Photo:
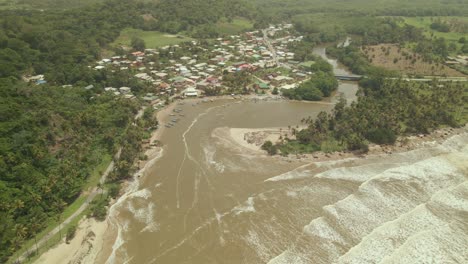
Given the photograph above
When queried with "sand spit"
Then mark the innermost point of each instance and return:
(253, 139)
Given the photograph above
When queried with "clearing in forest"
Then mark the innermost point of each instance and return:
(393, 57)
(153, 39)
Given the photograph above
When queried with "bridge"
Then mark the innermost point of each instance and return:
(349, 77)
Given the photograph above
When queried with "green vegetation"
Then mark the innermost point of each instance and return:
(386, 109)
(322, 84)
(56, 141)
(234, 26)
(452, 29)
(71, 231)
(151, 39)
(270, 148)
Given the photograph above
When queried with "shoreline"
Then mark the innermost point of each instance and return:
(90, 242)
(243, 137)
(94, 241)
(98, 237)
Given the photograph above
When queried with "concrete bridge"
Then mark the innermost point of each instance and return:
(349, 77)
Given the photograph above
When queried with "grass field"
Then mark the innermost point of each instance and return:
(236, 26)
(388, 57)
(456, 31)
(153, 39)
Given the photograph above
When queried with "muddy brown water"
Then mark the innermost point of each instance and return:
(209, 200)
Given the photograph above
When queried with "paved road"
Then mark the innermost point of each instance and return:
(270, 47)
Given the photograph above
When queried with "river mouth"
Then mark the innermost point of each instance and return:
(210, 200)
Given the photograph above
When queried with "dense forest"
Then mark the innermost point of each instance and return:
(52, 137)
(385, 110)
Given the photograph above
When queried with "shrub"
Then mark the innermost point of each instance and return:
(70, 233)
(270, 148)
(381, 136)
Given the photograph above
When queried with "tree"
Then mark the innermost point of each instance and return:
(270, 148)
(138, 44)
(462, 40)
(275, 91)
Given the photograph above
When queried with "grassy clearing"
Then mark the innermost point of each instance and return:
(235, 27)
(389, 57)
(456, 27)
(294, 147)
(153, 39)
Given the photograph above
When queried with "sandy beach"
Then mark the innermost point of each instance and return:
(83, 248)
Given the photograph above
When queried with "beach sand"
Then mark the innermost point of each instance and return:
(83, 248)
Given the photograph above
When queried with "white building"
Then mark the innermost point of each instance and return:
(191, 92)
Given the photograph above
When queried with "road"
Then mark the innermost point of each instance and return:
(272, 50)
(80, 210)
(95, 191)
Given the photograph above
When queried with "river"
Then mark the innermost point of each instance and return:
(209, 200)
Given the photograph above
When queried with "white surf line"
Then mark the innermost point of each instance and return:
(113, 213)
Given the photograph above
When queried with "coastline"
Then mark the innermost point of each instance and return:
(92, 237)
(243, 137)
(94, 241)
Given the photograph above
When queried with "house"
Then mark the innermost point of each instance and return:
(289, 86)
(191, 92)
(110, 89)
(125, 90)
(161, 74)
(138, 54)
(261, 85)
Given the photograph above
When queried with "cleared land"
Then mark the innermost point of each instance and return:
(458, 27)
(390, 56)
(153, 39)
(236, 26)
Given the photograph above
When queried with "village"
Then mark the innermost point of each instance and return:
(254, 62)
